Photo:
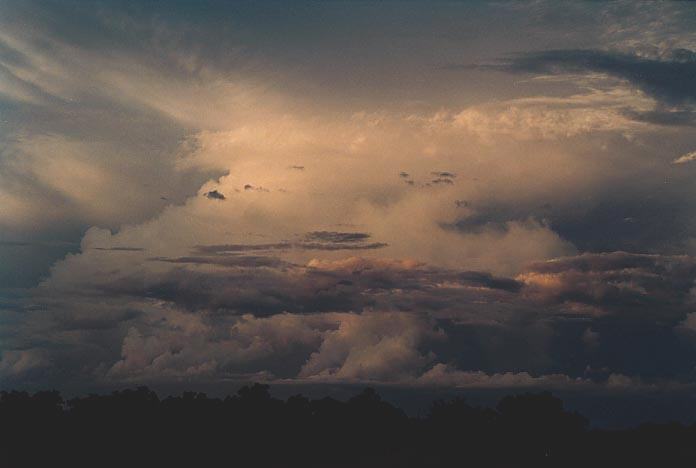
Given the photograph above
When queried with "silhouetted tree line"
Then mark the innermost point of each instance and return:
(133, 428)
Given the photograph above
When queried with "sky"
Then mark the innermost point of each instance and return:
(423, 195)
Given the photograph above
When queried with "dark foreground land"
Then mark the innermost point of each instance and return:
(134, 428)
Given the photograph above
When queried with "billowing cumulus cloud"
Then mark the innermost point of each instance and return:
(360, 320)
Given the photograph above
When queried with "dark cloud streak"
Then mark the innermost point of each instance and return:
(671, 79)
(316, 240)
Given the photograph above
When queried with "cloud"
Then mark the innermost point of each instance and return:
(15, 243)
(446, 376)
(349, 171)
(337, 237)
(269, 254)
(664, 116)
(372, 346)
(361, 320)
(62, 172)
(590, 338)
(444, 175)
(685, 158)
(20, 362)
(489, 281)
(426, 224)
(615, 283)
(346, 347)
(239, 261)
(215, 195)
(252, 187)
(265, 285)
(549, 118)
(669, 79)
(320, 240)
(229, 248)
(443, 375)
(185, 345)
(444, 180)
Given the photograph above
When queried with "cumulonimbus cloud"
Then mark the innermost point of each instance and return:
(295, 238)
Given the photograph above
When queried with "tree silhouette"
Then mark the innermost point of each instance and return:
(135, 427)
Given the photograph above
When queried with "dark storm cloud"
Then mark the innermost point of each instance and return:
(631, 304)
(266, 285)
(632, 216)
(259, 291)
(537, 321)
(615, 311)
(639, 285)
(634, 286)
(670, 79)
(640, 220)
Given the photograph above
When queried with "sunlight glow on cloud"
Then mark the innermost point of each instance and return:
(685, 158)
(246, 204)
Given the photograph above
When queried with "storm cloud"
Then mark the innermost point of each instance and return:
(197, 195)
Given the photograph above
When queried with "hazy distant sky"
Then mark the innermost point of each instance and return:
(463, 194)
